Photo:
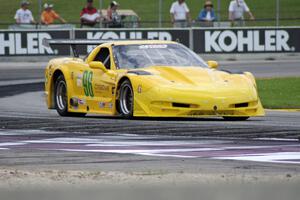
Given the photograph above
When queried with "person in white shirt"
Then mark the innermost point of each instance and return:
(237, 8)
(24, 15)
(180, 14)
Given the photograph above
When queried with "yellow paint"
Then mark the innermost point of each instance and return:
(202, 91)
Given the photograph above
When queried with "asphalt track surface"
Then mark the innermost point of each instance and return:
(32, 137)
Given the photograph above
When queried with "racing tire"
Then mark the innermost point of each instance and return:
(61, 99)
(126, 100)
(235, 118)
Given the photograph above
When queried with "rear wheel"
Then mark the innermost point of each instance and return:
(126, 100)
(61, 98)
(236, 118)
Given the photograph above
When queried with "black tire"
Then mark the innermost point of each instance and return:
(61, 99)
(236, 118)
(126, 100)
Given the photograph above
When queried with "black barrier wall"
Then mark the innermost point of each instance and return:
(202, 41)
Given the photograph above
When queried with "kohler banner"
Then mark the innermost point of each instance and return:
(247, 40)
(30, 43)
(202, 41)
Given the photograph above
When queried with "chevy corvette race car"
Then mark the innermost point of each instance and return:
(147, 79)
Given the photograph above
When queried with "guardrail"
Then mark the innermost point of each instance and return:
(201, 40)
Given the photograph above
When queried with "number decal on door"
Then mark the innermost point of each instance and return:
(87, 83)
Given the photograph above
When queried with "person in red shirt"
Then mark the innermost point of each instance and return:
(89, 15)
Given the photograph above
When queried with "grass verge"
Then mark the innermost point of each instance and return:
(280, 93)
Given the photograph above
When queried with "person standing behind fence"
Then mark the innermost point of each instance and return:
(207, 15)
(180, 14)
(113, 18)
(237, 8)
(24, 15)
(49, 15)
(89, 15)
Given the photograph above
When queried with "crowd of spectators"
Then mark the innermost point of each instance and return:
(180, 14)
(89, 15)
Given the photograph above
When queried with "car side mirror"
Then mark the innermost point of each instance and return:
(97, 65)
(213, 64)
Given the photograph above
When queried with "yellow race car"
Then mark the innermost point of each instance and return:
(147, 79)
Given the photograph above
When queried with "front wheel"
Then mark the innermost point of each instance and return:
(236, 118)
(61, 98)
(126, 100)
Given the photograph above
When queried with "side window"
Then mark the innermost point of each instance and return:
(104, 57)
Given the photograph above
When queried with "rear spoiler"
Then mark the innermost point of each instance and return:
(74, 43)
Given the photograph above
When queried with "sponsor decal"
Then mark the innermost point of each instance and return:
(79, 80)
(128, 35)
(87, 83)
(247, 41)
(139, 89)
(101, 88)
(106, 105)
(81, 102)
(155, 46)
(102, 104)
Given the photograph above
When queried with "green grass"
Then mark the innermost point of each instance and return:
(280, 93)
(148, 9)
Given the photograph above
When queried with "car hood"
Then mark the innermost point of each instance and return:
(198, 77)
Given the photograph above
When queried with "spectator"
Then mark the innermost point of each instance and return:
(89, 15)
(180, 14)
(24, 15)
(237, 8)
(113, 18)
(207, 14)
(49, 15)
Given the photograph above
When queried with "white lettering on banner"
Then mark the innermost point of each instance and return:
(211, 41)
(29, 44)
(256, 40)
(133, 35)
(43, 49)
(270, 37)
(10, 44)
(247, 41)
(282, 39)
(32, 43)
(19, 49)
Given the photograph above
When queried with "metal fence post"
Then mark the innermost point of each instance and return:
(219, 12)
(160, 13)
(40, 7)
(277, 12)
(100, 8)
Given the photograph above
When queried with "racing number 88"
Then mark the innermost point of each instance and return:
(87, 83)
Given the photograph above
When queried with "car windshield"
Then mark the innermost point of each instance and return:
(146, 55)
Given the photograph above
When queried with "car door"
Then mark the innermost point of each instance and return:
(99, 85)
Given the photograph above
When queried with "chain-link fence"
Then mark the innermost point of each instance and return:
(156, 13)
